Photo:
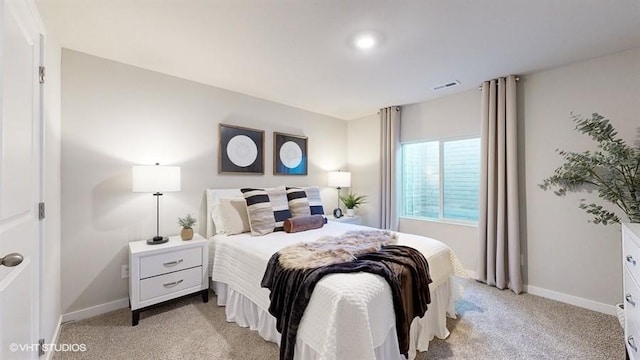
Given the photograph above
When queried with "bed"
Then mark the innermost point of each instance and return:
(349, 316)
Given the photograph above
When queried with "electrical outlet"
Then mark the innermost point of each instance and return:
(125, 271)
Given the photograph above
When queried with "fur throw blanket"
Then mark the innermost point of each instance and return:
(330, 250)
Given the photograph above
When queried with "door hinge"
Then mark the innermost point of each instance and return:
(41, 347)
(41, 211)
(42, 72)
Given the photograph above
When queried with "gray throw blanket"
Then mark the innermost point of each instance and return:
(291, 285)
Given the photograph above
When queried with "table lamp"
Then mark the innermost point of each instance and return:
(156, 179)
(339, 179)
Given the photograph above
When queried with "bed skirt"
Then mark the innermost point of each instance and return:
(245, 313)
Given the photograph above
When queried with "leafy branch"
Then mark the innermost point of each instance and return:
(613, 170)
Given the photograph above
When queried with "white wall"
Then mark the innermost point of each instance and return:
(50, 275)
(364, 163)
(564, 254)
(451, 116)
(463, 239)
(115, 116)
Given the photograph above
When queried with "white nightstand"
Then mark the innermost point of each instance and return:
(158, 273)
(357, 220)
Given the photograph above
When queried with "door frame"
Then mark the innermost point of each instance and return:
(29, 19)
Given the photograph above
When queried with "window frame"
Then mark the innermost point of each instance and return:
(441, 218)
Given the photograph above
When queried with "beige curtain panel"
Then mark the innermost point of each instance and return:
(499, 224)
(389, 166)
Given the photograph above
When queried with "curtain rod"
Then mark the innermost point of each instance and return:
(397, 109)
(480, 86)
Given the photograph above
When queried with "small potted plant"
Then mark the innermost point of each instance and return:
(187, 223)
(353, 201)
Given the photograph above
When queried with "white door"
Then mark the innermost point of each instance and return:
(20, 178)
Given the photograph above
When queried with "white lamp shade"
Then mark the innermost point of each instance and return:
(156, 178)
(339, 179)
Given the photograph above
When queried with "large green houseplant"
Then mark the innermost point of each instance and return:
(613, 171)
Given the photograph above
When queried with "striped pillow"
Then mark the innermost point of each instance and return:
(267, 209)
(261, 219)
(298, 202)
(315, 202)
(280, 206)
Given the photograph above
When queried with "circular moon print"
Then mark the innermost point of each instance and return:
(290, 154)
(242, 151)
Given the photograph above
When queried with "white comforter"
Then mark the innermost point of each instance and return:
(348, 314)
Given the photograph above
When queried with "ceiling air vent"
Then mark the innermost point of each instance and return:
(447, 85)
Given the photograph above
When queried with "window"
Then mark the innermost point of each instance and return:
(441, 179)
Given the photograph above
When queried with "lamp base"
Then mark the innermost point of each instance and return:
(157, 240)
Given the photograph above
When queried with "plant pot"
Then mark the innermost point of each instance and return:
(186, 234)
(351, 212)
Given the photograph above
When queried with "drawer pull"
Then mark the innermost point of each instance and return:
(174, 263)
(172, 284)
(632, 343)
(629, 299)
(631, 260)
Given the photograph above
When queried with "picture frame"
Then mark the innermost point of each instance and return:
(241, 150)
(289, 154)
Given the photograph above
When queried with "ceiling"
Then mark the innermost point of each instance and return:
(299, 52)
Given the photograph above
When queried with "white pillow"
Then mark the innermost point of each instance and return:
(213, 200)
(233, 213)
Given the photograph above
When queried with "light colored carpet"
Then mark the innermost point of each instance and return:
(492, 324)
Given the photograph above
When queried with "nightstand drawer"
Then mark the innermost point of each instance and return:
(631, 255)
(631, 341)
(170, 283)
(171, 261)
(631, 299)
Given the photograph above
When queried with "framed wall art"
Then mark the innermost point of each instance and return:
(241, 150)
(289, 154)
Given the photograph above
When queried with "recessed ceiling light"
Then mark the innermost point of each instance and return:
(365, 41)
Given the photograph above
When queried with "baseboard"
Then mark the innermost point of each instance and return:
(572, 300)
(565, 298)
(95, 310)
(472, 274)
(54, 340)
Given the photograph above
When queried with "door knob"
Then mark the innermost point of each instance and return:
(13, 259)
